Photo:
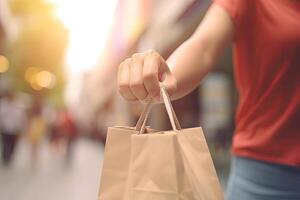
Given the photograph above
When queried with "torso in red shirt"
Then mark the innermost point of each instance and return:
(267, 72)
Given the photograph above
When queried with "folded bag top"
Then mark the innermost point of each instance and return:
(160, 165)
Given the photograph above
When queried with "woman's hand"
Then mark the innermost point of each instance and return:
(140, 75)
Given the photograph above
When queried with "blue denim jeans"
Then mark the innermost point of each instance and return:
(257, 180)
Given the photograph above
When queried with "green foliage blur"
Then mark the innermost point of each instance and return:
(41, 44)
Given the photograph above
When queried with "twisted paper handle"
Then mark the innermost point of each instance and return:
(140, 126)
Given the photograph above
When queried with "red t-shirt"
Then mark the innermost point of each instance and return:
(267, 73)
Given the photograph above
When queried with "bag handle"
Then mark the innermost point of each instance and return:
(140, 126)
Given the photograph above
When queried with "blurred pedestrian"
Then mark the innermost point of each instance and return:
(36, 129)
(69, 132)
(266, 38)
(55, 134)
(12, 123)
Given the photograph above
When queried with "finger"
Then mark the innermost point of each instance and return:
(136, 77)
(150, 73)
(124, 81)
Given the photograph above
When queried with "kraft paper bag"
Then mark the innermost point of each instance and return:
(144, 164)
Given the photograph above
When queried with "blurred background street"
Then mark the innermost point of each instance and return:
(58, 93)
(51, 177)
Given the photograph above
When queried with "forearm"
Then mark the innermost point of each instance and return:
(189, 64)
(196, 57)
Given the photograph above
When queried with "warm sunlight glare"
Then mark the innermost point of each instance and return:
(89, 23)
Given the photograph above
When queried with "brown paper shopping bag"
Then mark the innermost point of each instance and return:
(144, 164)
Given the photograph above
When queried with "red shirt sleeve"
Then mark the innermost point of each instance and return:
(237, 9)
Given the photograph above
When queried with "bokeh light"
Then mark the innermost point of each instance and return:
(4, 64)
(45, 79)
(40, 79)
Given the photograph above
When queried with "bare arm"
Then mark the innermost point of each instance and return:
(196, 57)
(139, 75)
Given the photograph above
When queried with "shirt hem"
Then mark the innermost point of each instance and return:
(266, 159)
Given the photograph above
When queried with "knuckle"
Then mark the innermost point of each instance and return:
(121, 65)
(127, 60)
(157, 58)
(151, 51)
(154, 54)
(137, 56)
